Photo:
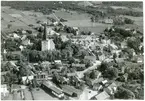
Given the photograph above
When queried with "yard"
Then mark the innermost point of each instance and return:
(42, 95)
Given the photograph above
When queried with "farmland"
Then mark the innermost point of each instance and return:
(81, 20)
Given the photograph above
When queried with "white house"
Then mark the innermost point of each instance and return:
(4, 90)
(58, 61)
(26, 79)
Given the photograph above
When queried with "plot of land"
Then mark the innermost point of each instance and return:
(42, 95)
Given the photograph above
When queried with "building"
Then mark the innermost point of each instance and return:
(27, 79)
(97, 87)
(91, 58)
(96, 81)
(111, 89)
(64, 38)
(46, 64)
(41, 76)
(79, 67)
(25, 40)
(51, 88)
(4, 90)
(71, 91)
(108, 21)
(140, 59)
(47, 44)
(57, 62)
(71, 74)
(102, 96)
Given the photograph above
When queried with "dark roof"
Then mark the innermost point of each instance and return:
(67, 91)
(70, 89)
(52, 86)
(56, 90)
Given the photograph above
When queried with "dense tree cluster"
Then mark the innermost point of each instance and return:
(123, 93)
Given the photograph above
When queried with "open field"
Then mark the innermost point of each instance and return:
(81, 20)
(138, 22)
(19, 19)
(119, 7)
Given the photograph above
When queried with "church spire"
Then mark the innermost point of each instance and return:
(45, 32)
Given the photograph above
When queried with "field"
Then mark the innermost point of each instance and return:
(119, 7)
(138, 23)
(81, 20)
(19, 19)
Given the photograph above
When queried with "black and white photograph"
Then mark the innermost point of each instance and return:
(72, 50)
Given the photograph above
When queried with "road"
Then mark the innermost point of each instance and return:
(95, 65)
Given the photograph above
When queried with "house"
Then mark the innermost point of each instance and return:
(64, 38)
(41, 76)
(62, 80)
(97, 87)
(45, 64)
(75, 80)
(87, 94)
(111, 89)
(108, 21)
(4, 90)
(79, 67)
(96, 81)
(16, 36)
(57, 62)
(124, 44)
(21, 47)
(102, 96)
(26, 42)
(140, 59)
(71, 74)
(91, 58)
(27, 79)
(50, 87)
(104, 82)
(71, 91)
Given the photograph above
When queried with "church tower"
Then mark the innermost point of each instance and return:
(46, 44)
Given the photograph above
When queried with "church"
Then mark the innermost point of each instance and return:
(47, 43)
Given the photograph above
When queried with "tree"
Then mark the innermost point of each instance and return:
(103, 66)
(123, 93)
(134, 43)
(128, 21)
(111, 73)
(93, 74)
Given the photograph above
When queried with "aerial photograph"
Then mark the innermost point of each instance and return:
(72, 50)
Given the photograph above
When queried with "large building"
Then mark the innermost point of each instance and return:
(47, 44)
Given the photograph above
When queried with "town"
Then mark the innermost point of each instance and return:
(45, 56)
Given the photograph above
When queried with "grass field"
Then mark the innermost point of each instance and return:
(138, 22)
(81, 20)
